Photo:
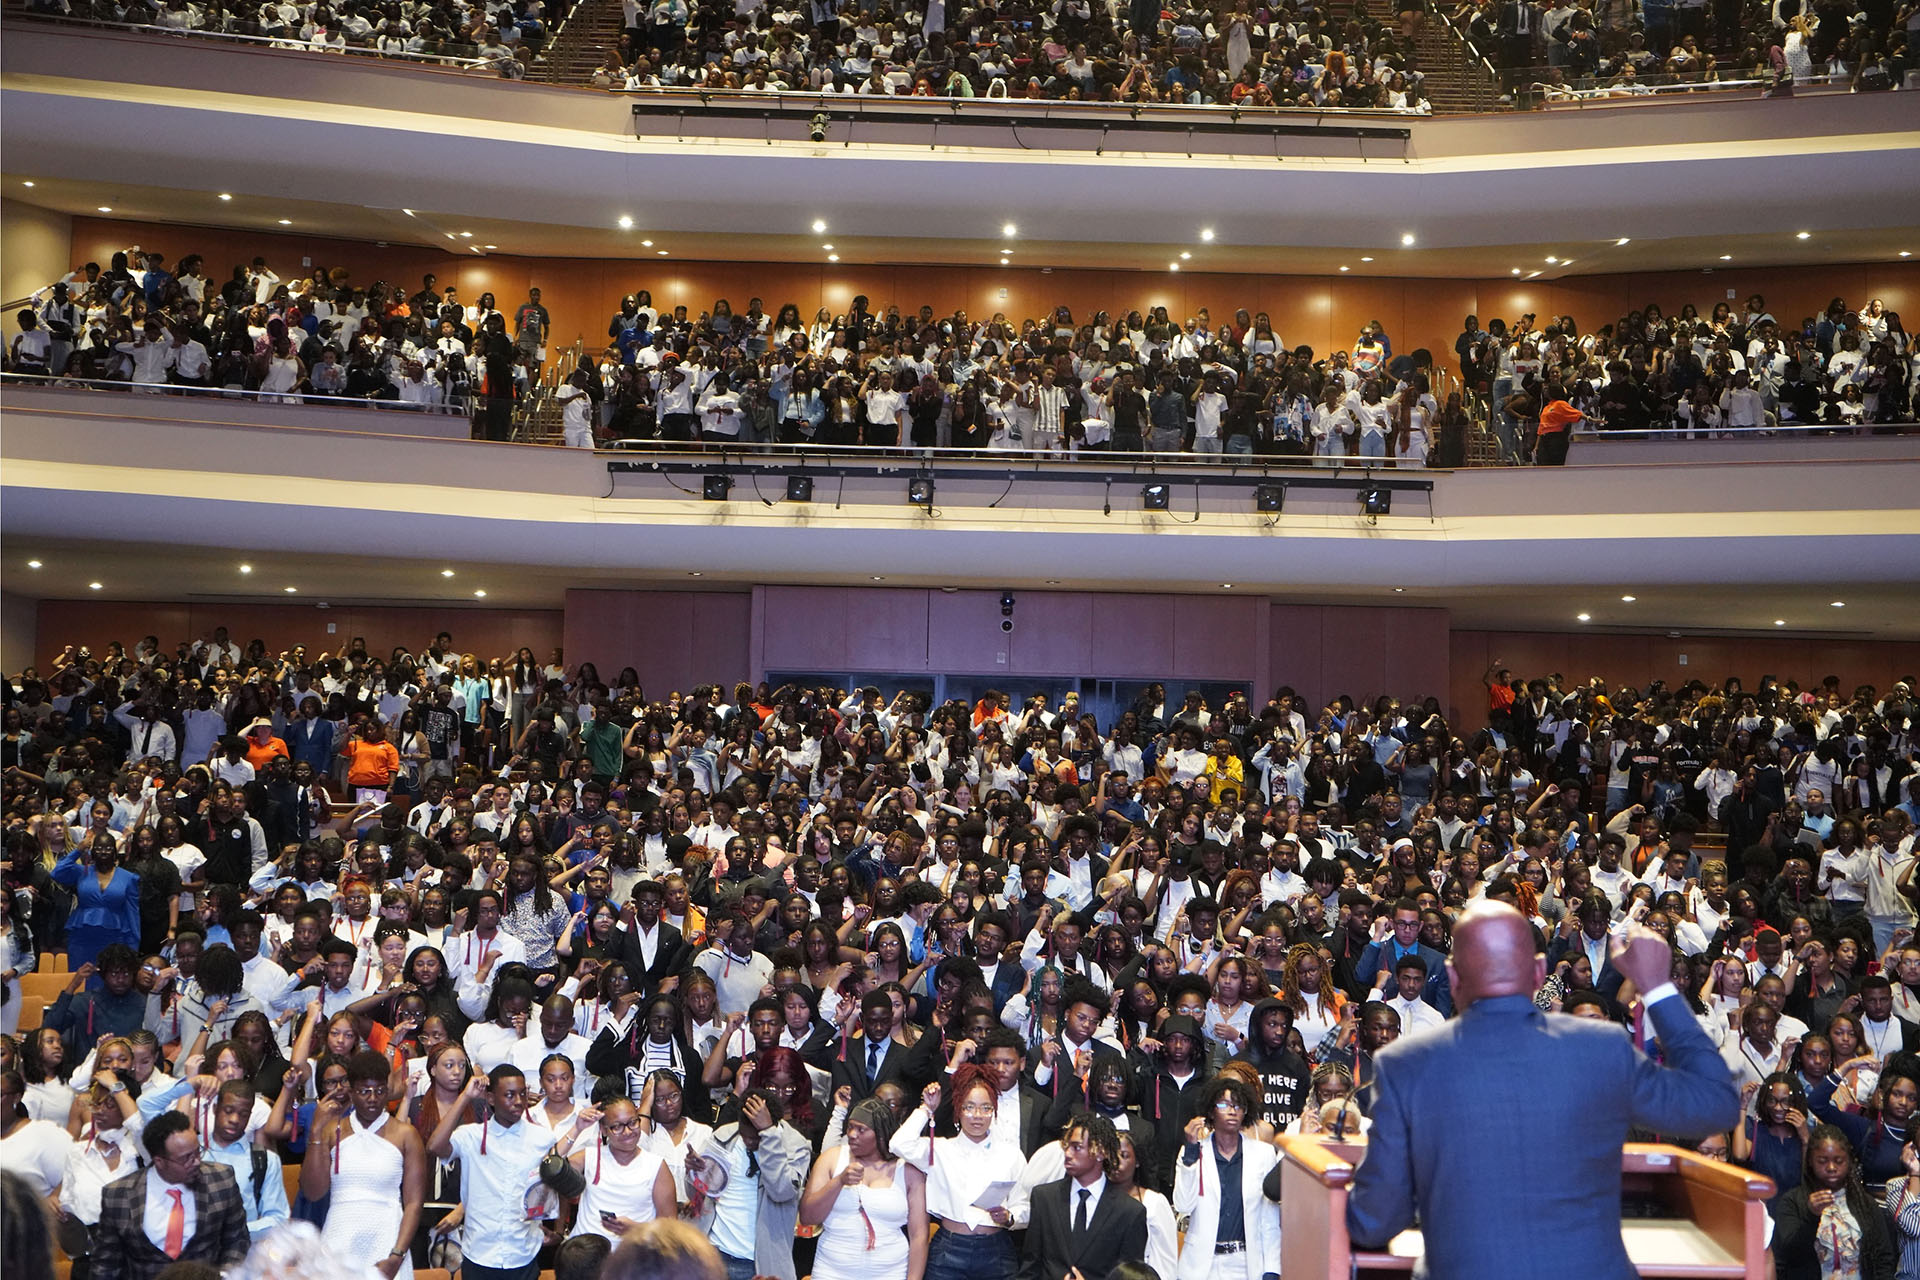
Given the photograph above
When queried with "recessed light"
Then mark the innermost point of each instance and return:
(1516, 271)
(1053, 582)
(1551, 259)
(1009, 229)
(106, 208)
(446, 573)
(1005, 263)
(1185, 256)
(1366, 259)
(695, 573)
(833, 257)
(660, 252)
(1346, 268)
(1406, 241)
(246, 568)
(1566, 262)
(481, 594)
(646, 244)
(33, 564)
(466, 235)
(879, 577)
(490, 246)
(408, 212)
(93, 586)
(626, 223)
(819, 225)
(1624, 240)
(1226, 586)
(827, 247)
(1584, 617)
(1399, 590)
(1906, 253)
(287, 222)
(290, 590)
(1803, 235)
(1628, 599)
(1726, 257)
(1839, 604)
(1779, 622)
(226, 195)
(26, 184)
(1533, 275)
(1206, 233)
(1173, 266)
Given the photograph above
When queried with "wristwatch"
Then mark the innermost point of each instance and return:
(116, 1088)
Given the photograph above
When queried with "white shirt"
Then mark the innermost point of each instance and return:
(1415, 1015)
(530, 1052)
(960, 1171)
(38, 1153)
(87, 1172)
(160, 1197)
(497, 1167)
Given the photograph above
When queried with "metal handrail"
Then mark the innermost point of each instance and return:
(308, 398)
(278, 43)
(1908, 427)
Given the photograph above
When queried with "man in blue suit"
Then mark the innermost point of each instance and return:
(1373, 971)
(1509, 1177)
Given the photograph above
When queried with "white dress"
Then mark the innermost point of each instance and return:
(624, 1190)
(864, 1236)
(363, 1207)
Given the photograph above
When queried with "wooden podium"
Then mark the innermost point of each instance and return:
(1715, 1228)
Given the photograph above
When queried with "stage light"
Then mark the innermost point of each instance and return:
(1154, 497)
(799, 488)
(920, 493)
(714, 486)
(1376, 502)
(1269, 497)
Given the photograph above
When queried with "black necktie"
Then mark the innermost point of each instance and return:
(874, 1051)
(1080, 1214)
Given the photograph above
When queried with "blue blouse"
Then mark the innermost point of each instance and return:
(115, 908)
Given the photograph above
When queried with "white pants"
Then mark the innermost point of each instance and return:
(578, 437)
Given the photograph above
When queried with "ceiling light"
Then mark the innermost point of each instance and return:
(819, 225)
(1406, 241)
(1804, 235)
(1346, 268)
(1726, 257)
(879, 577)
(223, 195)
(646, 244)
(480, 594)
(1226, 586)
(287, 222)
(1185, 256)
(695, 573)
(1839, 604)
(106, 209)
(1779, 622)
(1173, 266)
(290, 590)
(1516, 271)
(1551, 259)
(1009, 229)
(1584, 617)
(491, 246)
(93, 586)
(1628, 599)
(26, 184)
(1206, 233)
(1399, 591)
(408, 212)
(626, 223)
(1566, 262)
(827, 247)
(660, 253)
(446, 573)
(466, 235)
(1624, 240)
(833, 257)
(1533, 275)
(1366, 259)
(246, 568)
(1906, 253)
(1005, 263)
(33, 564)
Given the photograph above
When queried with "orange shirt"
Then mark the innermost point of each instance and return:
(371, 764)
(1558, 415)
(258, 753)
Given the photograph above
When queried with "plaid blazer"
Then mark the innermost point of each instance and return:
(121, 1250)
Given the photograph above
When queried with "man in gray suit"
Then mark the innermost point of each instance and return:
(1502, 1129)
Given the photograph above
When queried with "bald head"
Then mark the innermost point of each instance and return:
(1493, 954)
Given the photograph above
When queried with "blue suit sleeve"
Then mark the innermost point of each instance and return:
(1380, 1202)
(1693, 1095)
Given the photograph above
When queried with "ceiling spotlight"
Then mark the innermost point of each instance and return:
(33, 564)
(408, 212)
(106, 208)
(223, 195)
(1584, 617)
(1226, 586)
(827, 247)
(246, 568)
(1566, 262)
(1624, 240)
(446, 573)
(695, 573)
(1406, 241)
(490, 246)
(1804, 235)
(1346, 268)
(1551, 259)
(626, 223)
(1516, 271)
(1779, 622)
(1533, 275)
(879, 577)
(714, 486)
(1009, 229)
(480, 594)
(819, 225)
(833, 257)
(1366, 259)
(93, 586)
(1206, 233)
(1726, 257)
(1376, 501)
(1155, 496)
(1269, 497)
(287, 222)
(920, 493)
(290, 590)
(1839, 604)
(1628, 599)
(1173, 266)
(1399, 591)
(1185, 257)
(1005, 263)
(646, 244)
(660, 253)
(799, 488)
(28, 184)
(466, 235)
(1906, 253)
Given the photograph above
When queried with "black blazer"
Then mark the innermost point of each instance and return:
(912, 1067)
(1117, 1234)
(669, 957)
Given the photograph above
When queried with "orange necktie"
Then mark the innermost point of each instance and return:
(176, 1226)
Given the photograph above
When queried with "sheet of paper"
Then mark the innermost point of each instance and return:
(993, 1196)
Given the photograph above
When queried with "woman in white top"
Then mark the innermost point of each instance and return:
(36, 1150)
(972, 1243)
(1210, 1137)
(871, 1206)
(283, 373)
(107, 1148)
(668, 1133)
(626, 1184)
(570, 1121)
(1163, 1229)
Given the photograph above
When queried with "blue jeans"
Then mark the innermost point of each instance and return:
(738, 1268)
(1503, 423)
(529, 1271)
(952, 1256)
(1240, 444)
(1373, 444)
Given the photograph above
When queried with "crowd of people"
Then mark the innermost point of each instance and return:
(1142, 381)
(505, 955)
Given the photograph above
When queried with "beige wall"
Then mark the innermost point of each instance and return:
(35, 245)
(19, 628)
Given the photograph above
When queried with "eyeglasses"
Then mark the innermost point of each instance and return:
(188, 1160)
(977, 1108)
(628, 1127)
(1228, 1104)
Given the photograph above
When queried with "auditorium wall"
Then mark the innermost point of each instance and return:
(1321, 312)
